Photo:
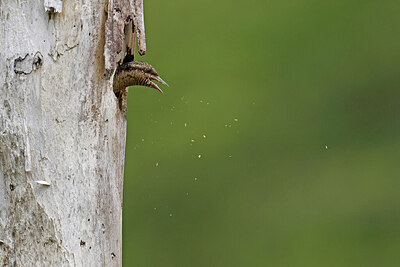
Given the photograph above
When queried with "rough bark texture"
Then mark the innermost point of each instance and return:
(53, 5)
(62, 137)
(124, 24)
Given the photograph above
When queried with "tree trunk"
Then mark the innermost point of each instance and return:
(62, 136)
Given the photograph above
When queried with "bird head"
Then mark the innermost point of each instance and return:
(146, 74)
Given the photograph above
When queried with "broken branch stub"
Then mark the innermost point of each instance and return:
(121, 34)
(139, 26)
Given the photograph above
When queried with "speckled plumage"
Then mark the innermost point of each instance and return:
(136, 73)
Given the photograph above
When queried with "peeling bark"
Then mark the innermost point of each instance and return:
(139, 26)
(62, 137)
(125, 23)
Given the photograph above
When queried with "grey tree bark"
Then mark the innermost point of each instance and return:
(62, 135)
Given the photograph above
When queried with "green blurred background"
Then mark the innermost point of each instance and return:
(294, 108)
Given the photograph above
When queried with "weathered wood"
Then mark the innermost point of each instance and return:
(139, 26)
(125, 23)
(62, 137)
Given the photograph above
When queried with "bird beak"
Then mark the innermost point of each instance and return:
(153, 85)
(158, 79)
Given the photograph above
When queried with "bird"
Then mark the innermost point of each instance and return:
(136, 73)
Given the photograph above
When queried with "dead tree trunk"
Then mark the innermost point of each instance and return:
(62, 134)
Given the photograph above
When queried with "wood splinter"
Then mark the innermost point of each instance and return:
(139, 26)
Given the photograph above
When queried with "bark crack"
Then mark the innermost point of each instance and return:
(125, 24)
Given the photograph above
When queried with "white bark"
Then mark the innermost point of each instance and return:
(62, 137)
